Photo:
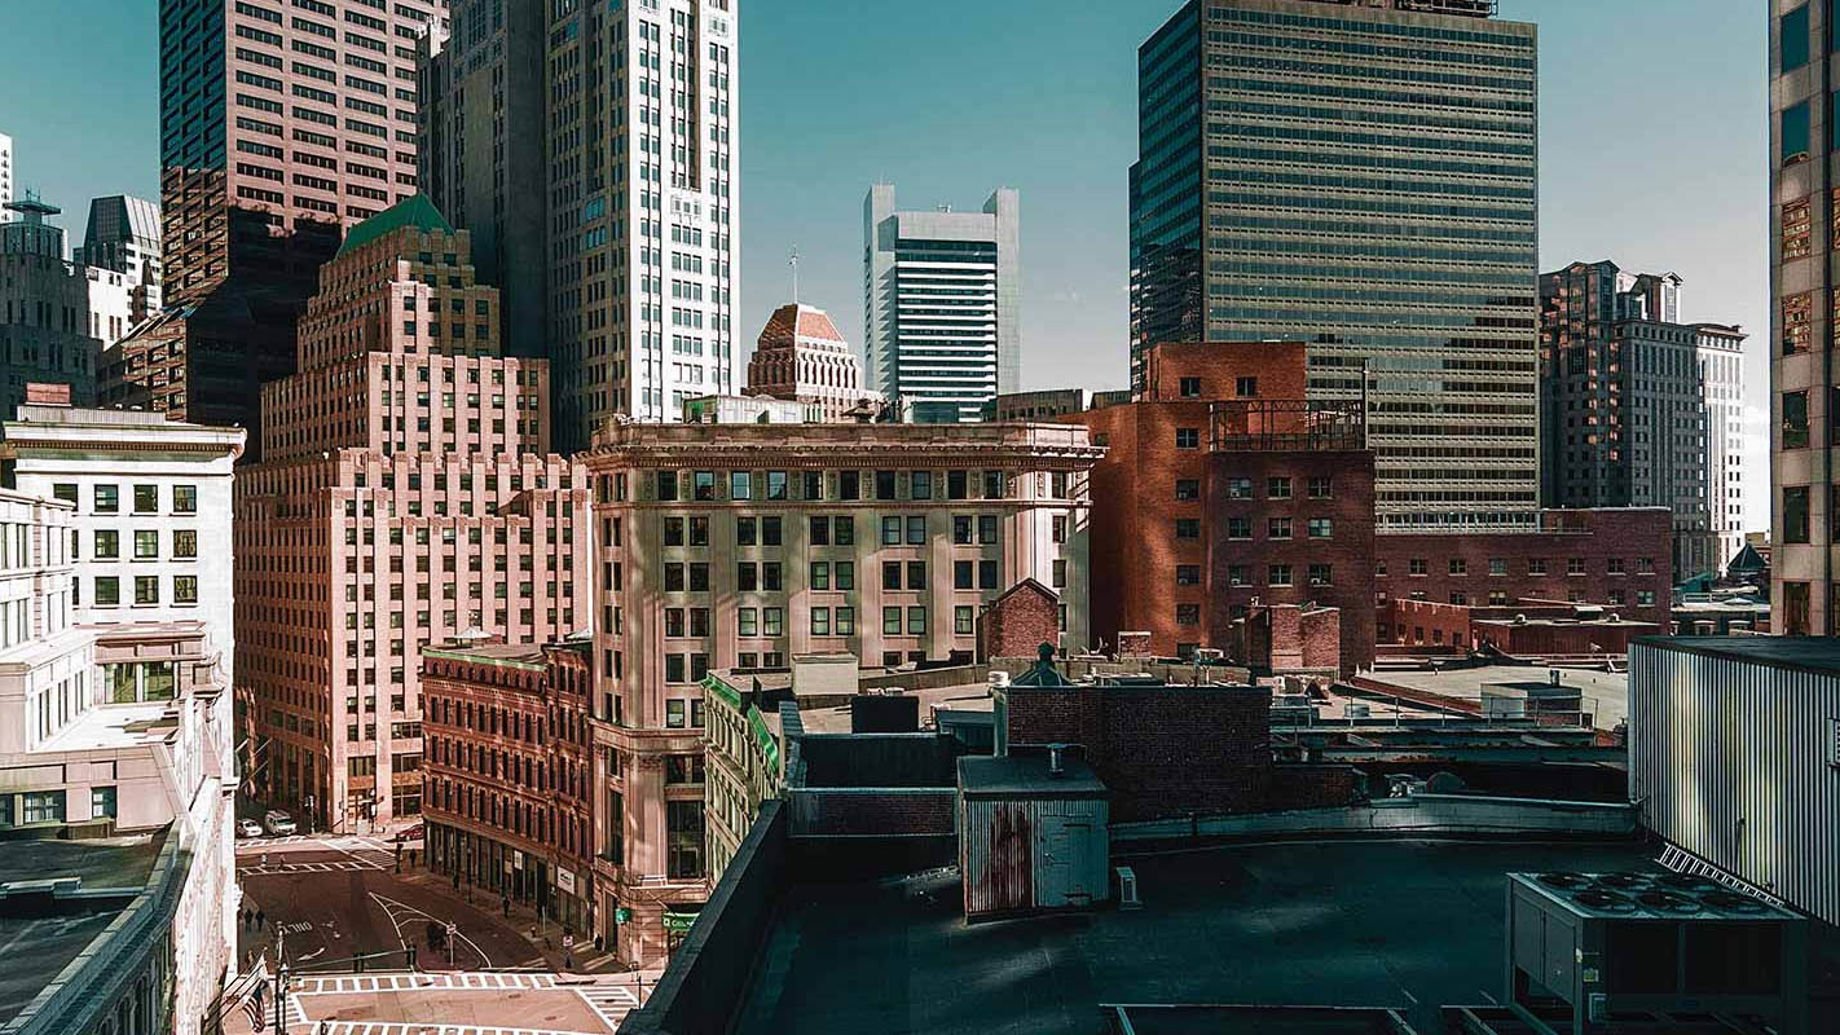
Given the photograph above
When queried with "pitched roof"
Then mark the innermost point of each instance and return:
(799, 321)
(414, 211)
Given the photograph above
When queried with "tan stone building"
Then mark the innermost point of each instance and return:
(802, 356)
(737, 546)
(406, 498)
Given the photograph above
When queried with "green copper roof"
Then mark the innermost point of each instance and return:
(417, 212)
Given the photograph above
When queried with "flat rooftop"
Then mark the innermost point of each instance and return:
(1411, 925)
(116, 726)
(1802, 653)
(38, 947)
(1605, 694)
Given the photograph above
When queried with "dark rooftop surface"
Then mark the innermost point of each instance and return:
(1026, 775)
(1406, 924)
(1809, 653)
(35, 949)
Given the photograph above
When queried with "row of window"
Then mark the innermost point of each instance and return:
(106, 544)
(849, 485)
(146, 590)
(1535, 566)
(106, 498)
(52, 806)
(769, 576)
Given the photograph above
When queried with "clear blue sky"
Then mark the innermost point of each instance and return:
(1652, 132)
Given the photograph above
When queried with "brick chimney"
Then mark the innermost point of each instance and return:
(39, 393)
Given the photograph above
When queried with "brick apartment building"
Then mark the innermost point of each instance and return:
(406, 498)
(740, 545)
(1618, 558)
(508, 796)
(1221, 489)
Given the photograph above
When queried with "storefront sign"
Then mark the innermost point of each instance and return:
(565, 879)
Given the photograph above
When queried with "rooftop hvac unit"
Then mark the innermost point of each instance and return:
(1127, 888)
(1589, 951)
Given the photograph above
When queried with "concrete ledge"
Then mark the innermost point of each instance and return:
(1457, 814)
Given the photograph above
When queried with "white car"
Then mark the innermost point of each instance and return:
(278, 822)
(248, 828)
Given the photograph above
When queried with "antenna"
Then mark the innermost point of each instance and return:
(793, 261)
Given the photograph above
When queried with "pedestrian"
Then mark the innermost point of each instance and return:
(261, 918)
(456, 879)
(504, 902)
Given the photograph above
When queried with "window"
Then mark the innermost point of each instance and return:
(920, 485)
(1188, 528)
(987, 574)
(1795, 136)
(1794, 37)
(771, 532)
(1319, 575)
(741, 485)
(846, 575)
(1057, 528)
(703, 485)
(956, 485)
(1279, 575)
(1188, 438)
(849, 485)
(108, 591)
(1245, 387)
(1236, 575)
(1278, 528)
(146, 589)
(699, 531)
(102, 802)
(66, 491)
(963, 576)
(1645, 598)
(963, 621)
(891, 574)
(1645, 565)
(776, 485)
(1459, 566)
(108, 544)
(683, 838)
(814, 484)
(1188, 614)
(891, 531)
(185, 589)
(674, 710)
(843, 531)
(1059, 576)
(820, 621)
(1795, 513)
(916, 621)
(108, 499)
(747, 621)
(1574, 566)
(185, 542)
(1239, 488)
(674, 531)
(820, 531)
(820, 576)
(674, 577)
(1498, 565)
(891, 621)
(185, 499)
(1239, 528)
(146, 499)
(1321, 488)
(1418, 566)
(1278, 488)
(1614, 566)
(916, 574)
(1188, 489)
(1188, 574)
(884, 485)
(1795, 420)
(846, 621)
(41, 807)
(675, 667)
(667, 486)
(987, 529)
(1322, 528)
(916, 530)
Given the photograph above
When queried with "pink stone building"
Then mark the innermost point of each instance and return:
(406, 501)
(739, 546)
(802, 356)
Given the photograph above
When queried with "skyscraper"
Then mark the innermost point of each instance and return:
(1804, 576)
(1363, 179)
(280, 126)
(614, 130)
(55, 316)
(124, 235)
(1721, 366)
(942, 295)
(801, 355)
(408, 498)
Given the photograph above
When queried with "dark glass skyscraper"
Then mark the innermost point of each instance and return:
(1361, 178)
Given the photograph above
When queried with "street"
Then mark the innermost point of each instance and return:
(328, 901)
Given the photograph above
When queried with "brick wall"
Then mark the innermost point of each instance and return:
(1608, 557)
(1162, 751)
(1425, 623)
(885, 812)
(1016, 624)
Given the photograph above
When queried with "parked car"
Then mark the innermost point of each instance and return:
(248, 828)
(278, 822)
(413, 833)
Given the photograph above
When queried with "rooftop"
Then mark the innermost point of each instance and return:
(516, 655)
(1605, 694)
(415, 211)
(1026, 775)
(115, 726)
(40, 943)
(1418, 926)
(1799, 653)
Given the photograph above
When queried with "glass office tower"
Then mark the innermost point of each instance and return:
(1364, 179)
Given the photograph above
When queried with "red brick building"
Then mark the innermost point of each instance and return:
(1019, 621)
(1619, 558)
(1223, 489)
(507, 774)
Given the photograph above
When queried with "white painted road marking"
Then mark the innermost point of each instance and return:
(399, 912)
(438, 1028)
(611, 1003)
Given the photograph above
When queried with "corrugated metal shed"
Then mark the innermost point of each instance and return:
(1732, 757)
(1030, 839)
